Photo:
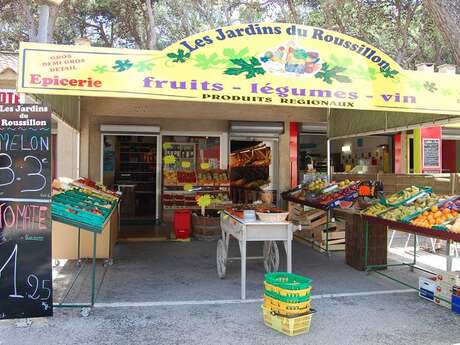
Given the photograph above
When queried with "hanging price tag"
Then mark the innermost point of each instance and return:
(188, 187)
(204, 200)
(167, 146)
(204, 166)
(169, 159)
(186, 164)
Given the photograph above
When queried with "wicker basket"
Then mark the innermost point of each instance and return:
(272, 217)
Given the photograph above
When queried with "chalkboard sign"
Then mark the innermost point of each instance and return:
(25, 212)
(431, 153)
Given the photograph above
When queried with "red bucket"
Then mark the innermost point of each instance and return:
(182, 223)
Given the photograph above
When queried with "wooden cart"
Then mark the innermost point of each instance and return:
(244, 231)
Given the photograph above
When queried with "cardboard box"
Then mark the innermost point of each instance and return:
(444, 289)
(450, 278)
(427, 287)
(442, 303)
(443, 296)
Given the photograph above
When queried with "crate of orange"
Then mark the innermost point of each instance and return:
(435, 217)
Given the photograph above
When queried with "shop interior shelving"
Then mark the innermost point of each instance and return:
(183, 152)
(136, 174)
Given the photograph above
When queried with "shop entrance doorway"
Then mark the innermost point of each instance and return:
(254, 170)
(130, 164)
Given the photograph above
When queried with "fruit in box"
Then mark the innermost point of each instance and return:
(375, 210)
(205, 178)
(316, 185)
(170, 178)
(186, 177)
(403, 195)
(435, 216)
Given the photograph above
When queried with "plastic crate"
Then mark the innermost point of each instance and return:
(290, 326)
(287, 299)
(287, 292)
(288, 281)
(423, 191)
(286, 309)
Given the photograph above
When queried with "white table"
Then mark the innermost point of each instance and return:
(254, 231)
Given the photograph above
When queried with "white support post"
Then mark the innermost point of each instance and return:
(329, 173)
(43, 24)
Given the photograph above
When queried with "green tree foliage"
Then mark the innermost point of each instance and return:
(404, 29)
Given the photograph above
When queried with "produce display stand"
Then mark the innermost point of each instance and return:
(66, 211)
(85, 308)
(253, 231)
(412, 229)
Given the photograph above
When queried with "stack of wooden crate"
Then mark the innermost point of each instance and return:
(315, 230)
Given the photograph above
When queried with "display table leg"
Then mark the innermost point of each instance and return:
(93, 280)
(243, 268)
(289, 249)
(411, 267)
(366, 245)
(448, 257)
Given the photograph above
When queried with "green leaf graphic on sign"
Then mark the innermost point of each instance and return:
(446, 92)
(369, 73)
(250, 68)
(388, 72)
(327, 74)
(430, 86)
(100, 69)
(231, 54)
(415, 84)
(181, 56)
(122, 65)
(204, 62)
(143, 66)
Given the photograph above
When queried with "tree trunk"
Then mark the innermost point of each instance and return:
(29, 19)
(51, 23)
(151, 34)
(446, 15)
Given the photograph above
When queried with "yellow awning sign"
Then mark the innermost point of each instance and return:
(266, 63)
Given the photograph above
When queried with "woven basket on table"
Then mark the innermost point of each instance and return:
(272, 217)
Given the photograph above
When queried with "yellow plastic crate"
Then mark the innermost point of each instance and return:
(284, 308)
(287, 325)
(286, 292)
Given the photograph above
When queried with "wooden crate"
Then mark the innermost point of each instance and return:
(316, 237)
(311, 218)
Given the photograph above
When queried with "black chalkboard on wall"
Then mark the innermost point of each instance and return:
(25, 212)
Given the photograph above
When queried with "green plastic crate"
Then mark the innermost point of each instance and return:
(288, 281)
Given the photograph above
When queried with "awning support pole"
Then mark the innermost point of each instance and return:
(329, 173)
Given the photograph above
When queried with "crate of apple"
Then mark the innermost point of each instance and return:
(186, 177)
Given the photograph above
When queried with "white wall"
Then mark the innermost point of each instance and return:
(67, 156)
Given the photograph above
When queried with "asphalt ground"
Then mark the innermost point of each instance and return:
(169, 293)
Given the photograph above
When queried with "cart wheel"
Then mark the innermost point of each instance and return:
(108, 263)
(271, 256)
(85, 312)
(221, 259)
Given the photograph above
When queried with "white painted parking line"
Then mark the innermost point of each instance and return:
(366, 293)
(239, 301)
